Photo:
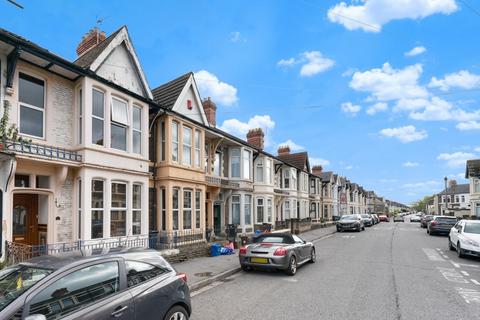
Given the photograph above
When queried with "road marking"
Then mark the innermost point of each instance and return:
(456, 265)
(467, 265)
(432, 254)
(290, 279)
(322, 238)
(446, 257)
(452, 275)
(475, 281)
(469, 295)
(465, 273)
(438, 249)
(348, 237)
(206, 288)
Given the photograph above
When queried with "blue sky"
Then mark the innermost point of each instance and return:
(384, 92)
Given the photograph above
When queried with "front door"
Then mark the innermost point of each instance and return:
(25, 218)
(217, 218)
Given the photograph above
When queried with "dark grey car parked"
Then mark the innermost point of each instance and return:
(130, 284)
(352, 222)
(441, 224)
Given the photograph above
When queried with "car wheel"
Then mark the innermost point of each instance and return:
(313, 256)
(428, 231)
(244, 268)
(176, 313)
(338, 230)
(450, 246)
(359, 229)
(363, 228)
(459, 250)
(292, 267)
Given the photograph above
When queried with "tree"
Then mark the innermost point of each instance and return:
(8, 133)
(420, 205)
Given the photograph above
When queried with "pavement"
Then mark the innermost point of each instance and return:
(203, 271)
(390, 271)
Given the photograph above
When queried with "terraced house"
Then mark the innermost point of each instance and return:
(80, 171)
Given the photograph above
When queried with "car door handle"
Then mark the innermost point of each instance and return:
(119, 311)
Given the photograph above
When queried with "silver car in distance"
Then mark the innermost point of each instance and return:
(278, 251)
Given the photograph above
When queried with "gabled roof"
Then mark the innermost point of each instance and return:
(88, 58)
(298, 160)
(167, 94)
(326, 176)
(95, 57)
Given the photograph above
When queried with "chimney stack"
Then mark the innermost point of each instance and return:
(256, 137)
(210, 110)
(283, 150)
(317, 170)
(90, 41)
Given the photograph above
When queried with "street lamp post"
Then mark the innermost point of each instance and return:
(446, 199)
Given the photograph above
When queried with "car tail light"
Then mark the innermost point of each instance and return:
(280, 252)
(433, 223)
(243, 250)
(182, 276)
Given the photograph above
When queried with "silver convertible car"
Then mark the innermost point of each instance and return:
(280, 251)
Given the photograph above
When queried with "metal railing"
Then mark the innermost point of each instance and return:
(41, 150)
(221, 182)
(164, 240)
(18, 252)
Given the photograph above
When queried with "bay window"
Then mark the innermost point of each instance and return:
(98, 118)
(235, 163)
(137, 130)
(294, 180)
(80, 116)
(175, 207)
(174, 141)
(286, 209)
(268, 171)
(248, 209)
(217, 165)
(31, 96)
(259, 173)
(187, 209)
(247, 156)
(97, 209)
(476, 185)
(260, 208)
(197, 149)
(162, 139)
(79, 208)
(236, 209)
(286, 179)
(118, 213)
(269, 210)
(119, 124)
(137, 209)
(477, 209)
(187, 146)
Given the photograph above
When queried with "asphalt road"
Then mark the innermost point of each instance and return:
(390, 271)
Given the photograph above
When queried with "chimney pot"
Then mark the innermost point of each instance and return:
(282, 150)
(317, 170)
(210, 109)
(256, 137)
(90, 40)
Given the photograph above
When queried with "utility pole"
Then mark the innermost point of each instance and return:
(446, 199)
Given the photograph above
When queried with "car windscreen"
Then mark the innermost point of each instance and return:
(349, 217)
(365, 216)
(472, 228)
(271, 239)
(446, 220)
(15, 281)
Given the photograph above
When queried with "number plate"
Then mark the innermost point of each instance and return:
(259, 260)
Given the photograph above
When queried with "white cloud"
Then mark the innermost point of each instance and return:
(410, 164)
(404, 134)
(456, 159)
(387, 83)
(319, 162)
(286, 62)
(424, 186)
(235, 36)
(316, 63)
(462, 79)
(240, 129)
(416, 51)
(293, 146)
(477, 149)
(388, 180)
(349, 167)
(378, 107)
(349, 72)
(468, 125)
(210, 86)
(313, 62)
(350, 108)
(371, 15)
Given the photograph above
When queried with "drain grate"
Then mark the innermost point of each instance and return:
(203, 274)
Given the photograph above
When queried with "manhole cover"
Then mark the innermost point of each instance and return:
(203, 274)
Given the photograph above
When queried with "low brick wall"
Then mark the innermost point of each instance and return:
(188, 252)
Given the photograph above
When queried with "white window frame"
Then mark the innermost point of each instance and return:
(248, 208)
(259, 177)
(176, 211)
(175, 155)
(477, 209)
(99, 118)
(476, 185)
(239, 157)
(121, 209)
(198, 145)
(135, 130)
(268, 171)
(269, 210)
(185, 146)
(125, 125)
(286, 178)
(79, 209)
(294, 180)
(239, 208)
(102, 209)
(259, 206)
(286, 209)
(198, 208)
(187, 211)
(137, 210)
(80, 115)
(246, 164)
(30, 106)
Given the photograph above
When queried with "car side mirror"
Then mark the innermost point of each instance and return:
(36, 317)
